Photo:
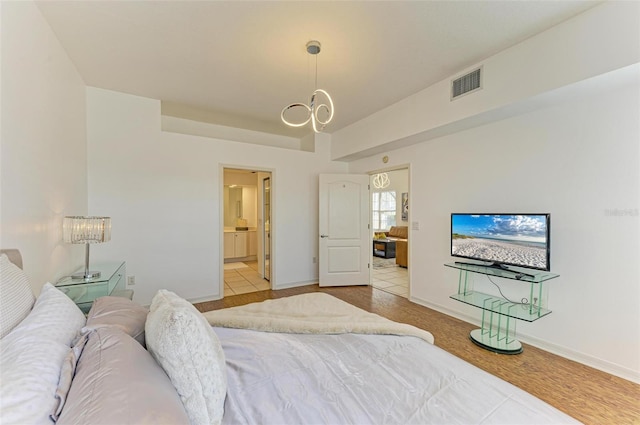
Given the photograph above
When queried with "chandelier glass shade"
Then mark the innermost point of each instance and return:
(320, 108)
(381, 181)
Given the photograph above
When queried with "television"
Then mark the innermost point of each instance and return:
(502, 239)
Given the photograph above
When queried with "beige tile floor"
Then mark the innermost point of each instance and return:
(245, 280)
(242, 281)
(391, 279)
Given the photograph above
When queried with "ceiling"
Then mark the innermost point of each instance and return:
(239, 63)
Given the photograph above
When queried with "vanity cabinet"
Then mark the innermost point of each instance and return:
(240, 244)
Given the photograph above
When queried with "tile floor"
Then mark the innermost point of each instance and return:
(391, 279)
(244, 280)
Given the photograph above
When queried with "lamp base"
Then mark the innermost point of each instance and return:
(86, 275)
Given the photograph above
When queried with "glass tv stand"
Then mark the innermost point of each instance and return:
(498, 314)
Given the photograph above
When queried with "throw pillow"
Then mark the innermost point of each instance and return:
(184, 344)
(120, 312)
(116, 381)
(16, 296)
(32, 356)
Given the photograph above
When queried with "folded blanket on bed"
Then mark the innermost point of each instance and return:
(316, 312)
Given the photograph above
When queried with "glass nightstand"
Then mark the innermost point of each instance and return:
(84, 291)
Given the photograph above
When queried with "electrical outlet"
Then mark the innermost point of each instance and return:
(131, 280)
(315, 260)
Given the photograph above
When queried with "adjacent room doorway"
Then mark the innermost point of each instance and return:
(390, 198)
(247, 257)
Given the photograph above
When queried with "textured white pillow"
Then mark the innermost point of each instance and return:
(16, 296)
(32, 355)
(184, 344)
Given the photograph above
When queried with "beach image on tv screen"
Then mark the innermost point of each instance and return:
(511, 239)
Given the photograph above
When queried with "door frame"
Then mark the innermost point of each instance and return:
(262, 243)
(272, 225)
(397, 167)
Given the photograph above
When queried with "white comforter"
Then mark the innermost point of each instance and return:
(289, 368)
(278, 378)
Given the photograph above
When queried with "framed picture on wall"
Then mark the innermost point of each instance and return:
(405, 206)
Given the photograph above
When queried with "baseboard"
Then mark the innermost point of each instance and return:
(585, 359)
(240, 259)
(295, 284)
(204, 299)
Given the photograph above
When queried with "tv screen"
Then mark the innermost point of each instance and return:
(502, 239)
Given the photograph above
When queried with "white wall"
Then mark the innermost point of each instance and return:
(206, 129)
(578, 160)
(399, 183)
(163, 191)
(43, 144)
(602, 39)
(239, 178)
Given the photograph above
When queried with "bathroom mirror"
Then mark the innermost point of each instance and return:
(233, 208)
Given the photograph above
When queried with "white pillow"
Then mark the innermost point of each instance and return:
(32, 355)
(120, 312)
(184, 344)
(16, 296)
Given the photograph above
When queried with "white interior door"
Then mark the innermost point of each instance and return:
(345, 237)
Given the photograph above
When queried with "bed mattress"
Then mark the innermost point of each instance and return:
(276, 378)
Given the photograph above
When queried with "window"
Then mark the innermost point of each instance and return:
(384, 210)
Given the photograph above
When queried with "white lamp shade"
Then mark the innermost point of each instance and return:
(78, 229)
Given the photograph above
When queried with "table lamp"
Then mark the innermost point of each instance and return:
(86, 230)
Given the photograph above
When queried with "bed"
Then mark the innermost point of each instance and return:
(305, 359)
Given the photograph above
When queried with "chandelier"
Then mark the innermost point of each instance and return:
(381, 180)
(316, 108)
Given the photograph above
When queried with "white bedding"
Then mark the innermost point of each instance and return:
(276, 378)
(312, 358)
(314, 313)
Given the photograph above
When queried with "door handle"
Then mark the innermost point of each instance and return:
(324, 236)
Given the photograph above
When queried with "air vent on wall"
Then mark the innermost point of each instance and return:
(466, 84)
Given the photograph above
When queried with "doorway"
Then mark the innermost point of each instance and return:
(390, 197)
(247, 256)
